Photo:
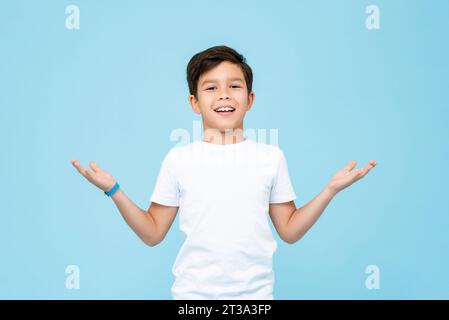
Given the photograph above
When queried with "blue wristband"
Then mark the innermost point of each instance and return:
(111, 192)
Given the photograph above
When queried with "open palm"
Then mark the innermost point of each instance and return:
(347, 176)
(97, 176)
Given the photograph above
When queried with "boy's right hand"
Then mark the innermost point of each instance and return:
(97, 177)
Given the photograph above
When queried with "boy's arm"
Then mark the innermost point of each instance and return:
(151, 226)
(292, 223)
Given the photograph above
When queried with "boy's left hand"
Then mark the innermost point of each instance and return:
(345, 177)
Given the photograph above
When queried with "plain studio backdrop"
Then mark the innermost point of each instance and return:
(114, 89)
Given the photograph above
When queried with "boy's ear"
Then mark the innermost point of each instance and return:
(194, 104)
(251, 98)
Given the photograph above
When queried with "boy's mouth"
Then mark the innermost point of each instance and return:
(224, 110)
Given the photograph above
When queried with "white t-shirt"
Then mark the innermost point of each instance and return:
(223, 194)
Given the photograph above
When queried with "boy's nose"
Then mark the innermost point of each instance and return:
(224, 96)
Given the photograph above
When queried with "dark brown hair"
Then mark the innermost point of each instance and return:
(208, 59)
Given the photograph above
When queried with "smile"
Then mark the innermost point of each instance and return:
(224, 110)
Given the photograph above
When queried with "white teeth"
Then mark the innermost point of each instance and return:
(221, 109)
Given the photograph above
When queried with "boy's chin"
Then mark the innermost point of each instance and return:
(225, 125)
(226, 128)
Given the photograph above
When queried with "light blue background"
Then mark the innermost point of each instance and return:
(113, 91)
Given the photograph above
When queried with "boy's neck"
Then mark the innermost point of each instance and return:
(229, 136)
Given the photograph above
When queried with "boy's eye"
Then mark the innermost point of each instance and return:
(232, 86)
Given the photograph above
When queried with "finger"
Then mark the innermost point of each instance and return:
(80, 168)
(77, 165)
(363, 171)
(351, 165)
(94, 167)
(356, 174)
(370, 165)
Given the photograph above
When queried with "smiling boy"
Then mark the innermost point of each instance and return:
(226, 188)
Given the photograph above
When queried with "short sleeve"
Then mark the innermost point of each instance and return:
(166, 190)
(282, 190)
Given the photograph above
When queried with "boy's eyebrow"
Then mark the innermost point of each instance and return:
(215, 80)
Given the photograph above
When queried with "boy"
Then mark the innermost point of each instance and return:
(226, 187)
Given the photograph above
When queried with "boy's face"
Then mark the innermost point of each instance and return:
(222, 86)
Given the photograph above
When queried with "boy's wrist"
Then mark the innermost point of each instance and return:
(110, 185)
(111, 190)
(330, 192)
